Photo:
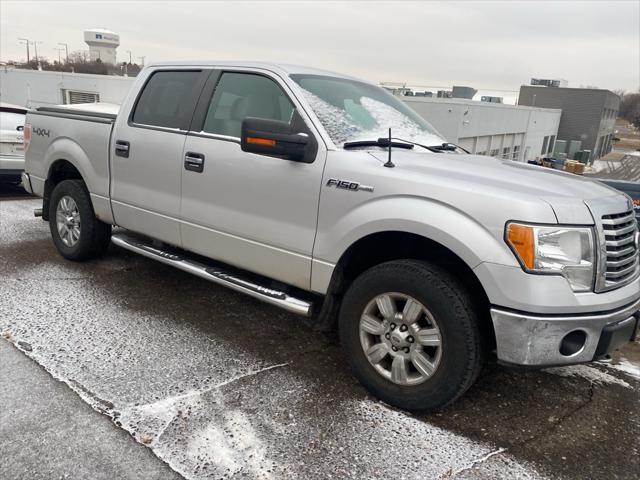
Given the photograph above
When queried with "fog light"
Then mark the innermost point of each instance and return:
(573, 343)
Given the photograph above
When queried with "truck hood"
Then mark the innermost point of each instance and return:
(518, 177)
(565, 192)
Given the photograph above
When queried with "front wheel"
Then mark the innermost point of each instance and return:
(411, 335)
(76, 232)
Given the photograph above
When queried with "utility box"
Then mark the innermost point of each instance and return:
(463, 92)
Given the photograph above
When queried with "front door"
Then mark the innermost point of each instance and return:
(252, 211)
(146, 156)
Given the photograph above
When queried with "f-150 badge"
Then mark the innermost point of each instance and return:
(348, 185)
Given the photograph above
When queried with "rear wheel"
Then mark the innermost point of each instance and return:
(411, 334)
(76, 232)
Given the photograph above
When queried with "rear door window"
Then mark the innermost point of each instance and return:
(168, 99)
(241, 95)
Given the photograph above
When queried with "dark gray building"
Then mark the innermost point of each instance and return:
(588, 114)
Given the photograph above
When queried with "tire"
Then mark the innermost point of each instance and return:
(449, 338)
(91, 237)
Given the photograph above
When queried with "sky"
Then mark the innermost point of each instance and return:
(497, 45)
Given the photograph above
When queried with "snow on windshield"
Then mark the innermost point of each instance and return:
(369, 120)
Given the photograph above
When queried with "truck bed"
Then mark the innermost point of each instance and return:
(80, 134)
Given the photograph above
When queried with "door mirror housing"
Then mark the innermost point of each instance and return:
(277, 139)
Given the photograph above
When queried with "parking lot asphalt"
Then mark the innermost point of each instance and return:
(218, 385)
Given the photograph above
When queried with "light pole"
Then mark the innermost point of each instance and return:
(35, 46)
(26, 42)
(142, 60)
(129, 52)
(66, 51)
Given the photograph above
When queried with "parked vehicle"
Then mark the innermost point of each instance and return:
(630, 188)
(12, 118)
(424, 257)
(623, 175)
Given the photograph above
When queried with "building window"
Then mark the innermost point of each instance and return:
(545, 143)
(495, 152)
(516, 151)
(481, 153)
(506, 152)
(552, 141)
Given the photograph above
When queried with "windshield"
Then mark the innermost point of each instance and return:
(350, 111)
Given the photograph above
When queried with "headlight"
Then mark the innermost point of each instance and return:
(559, 250)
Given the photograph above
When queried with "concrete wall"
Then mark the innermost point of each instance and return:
(33, 88)
(483, 127)
(588, 114)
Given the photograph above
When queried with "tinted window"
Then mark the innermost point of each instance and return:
(167, 99)
(241, 95)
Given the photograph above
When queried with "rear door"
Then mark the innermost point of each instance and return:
(146, 153)
(253, 211)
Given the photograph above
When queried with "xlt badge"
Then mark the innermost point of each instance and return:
(348, 185)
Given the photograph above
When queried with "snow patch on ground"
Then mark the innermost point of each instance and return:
(229, 444)
(592, 374)
(453, 453)
(624, 365)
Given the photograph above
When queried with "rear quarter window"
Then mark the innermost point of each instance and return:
(167, 99)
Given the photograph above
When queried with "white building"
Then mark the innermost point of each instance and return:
(34, 88)
(500, 130)
(102, 44)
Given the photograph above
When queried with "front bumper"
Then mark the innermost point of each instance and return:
(537, 340)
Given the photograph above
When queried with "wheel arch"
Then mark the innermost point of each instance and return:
(59, 170)
(384, 246)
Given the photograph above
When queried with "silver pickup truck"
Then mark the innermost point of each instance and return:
(328, 197)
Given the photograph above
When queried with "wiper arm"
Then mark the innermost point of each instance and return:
(444, 147)
(381, 142)
(431, 149)
(448, 147)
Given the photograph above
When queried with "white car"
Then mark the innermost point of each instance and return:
(12, 119)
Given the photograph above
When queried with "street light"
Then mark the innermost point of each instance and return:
(35, 46)
(66, 50)
(59, 50)
(26, 42)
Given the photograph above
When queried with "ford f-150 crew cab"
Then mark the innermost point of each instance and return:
(284, 183)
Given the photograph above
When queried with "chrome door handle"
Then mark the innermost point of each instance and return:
(194, 162)
(122, 148)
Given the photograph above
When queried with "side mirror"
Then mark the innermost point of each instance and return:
(275, 139)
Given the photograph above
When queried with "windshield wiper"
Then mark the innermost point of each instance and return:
(444, 147)
(448, 147)
(381, 142)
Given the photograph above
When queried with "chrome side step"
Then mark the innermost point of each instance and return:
(216, 275)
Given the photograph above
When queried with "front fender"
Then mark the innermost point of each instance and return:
(442, 223)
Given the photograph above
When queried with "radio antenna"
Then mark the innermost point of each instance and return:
(389, 163)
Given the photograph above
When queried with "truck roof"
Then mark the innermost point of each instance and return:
(281, 68)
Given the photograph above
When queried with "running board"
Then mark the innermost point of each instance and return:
(215, 274)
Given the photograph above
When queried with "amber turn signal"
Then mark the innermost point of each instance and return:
(261, 141)
(520, 237)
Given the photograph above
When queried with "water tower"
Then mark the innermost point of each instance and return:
(102, 44)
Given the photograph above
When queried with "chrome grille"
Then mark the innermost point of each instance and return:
(622, 262)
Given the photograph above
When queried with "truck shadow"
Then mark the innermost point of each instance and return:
(11, 191)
